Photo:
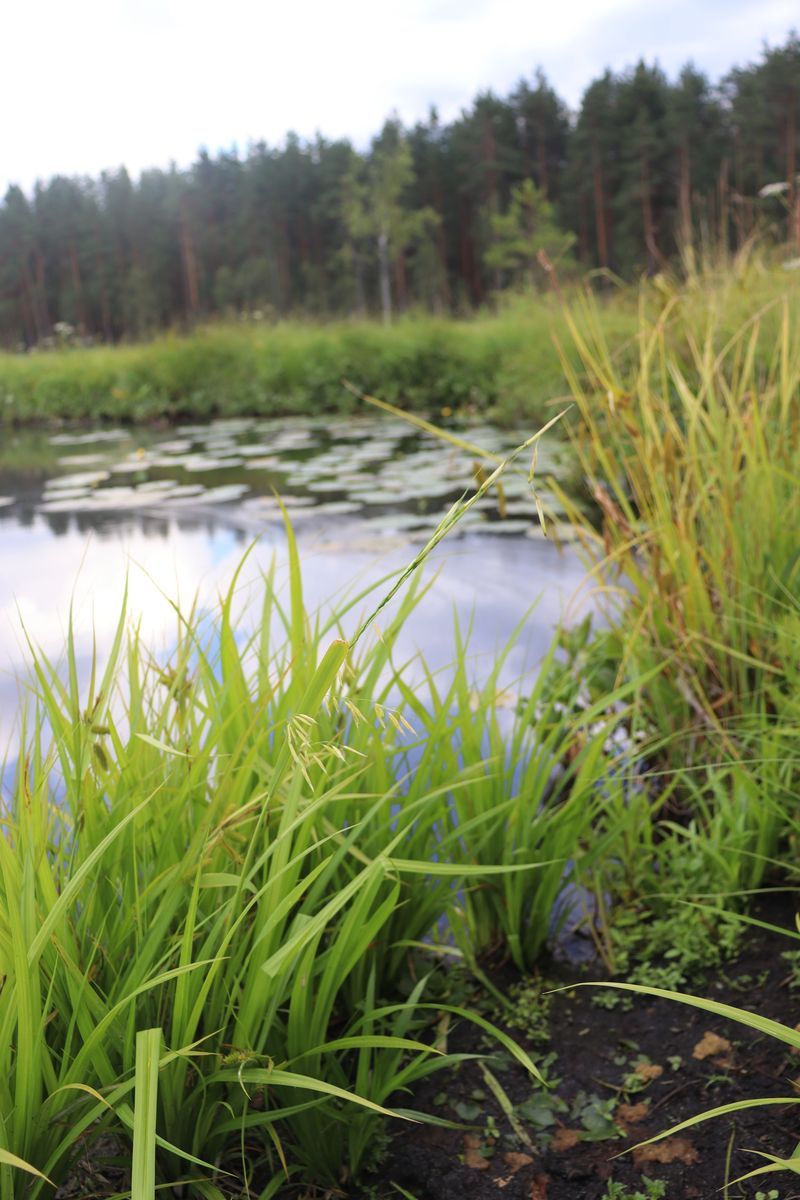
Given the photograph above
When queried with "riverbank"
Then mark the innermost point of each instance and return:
(506, 363)
(507, 366)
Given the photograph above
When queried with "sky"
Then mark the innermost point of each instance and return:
(95, 84)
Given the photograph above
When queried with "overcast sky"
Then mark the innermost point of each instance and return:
(97, 83)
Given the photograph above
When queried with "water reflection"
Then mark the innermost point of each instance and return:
(360, 495)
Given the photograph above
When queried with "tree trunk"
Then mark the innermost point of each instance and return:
(445, 297)
(463, 247)
(105, 308)
(400, 281)
(386, 286)
(189, 265)
(319, 262)
(544, 182)
(583, 234)
(284, 275)
(791, 167)
(29, 318)
(723, 208)
(685, 196)
(648, 225)
(489, 152)
(358, 279)
(469, 267)
(599, 209)
(75, 270)
(40, 296)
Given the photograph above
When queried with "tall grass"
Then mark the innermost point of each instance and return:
(696, 474)
(693, 457)
(688, 439)
(218, 877)
(505, 363)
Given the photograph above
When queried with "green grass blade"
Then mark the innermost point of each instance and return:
(143, 1160)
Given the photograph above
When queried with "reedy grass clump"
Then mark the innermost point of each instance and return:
(215, 871)
(697, 478)
(689, 441)
(696, 473)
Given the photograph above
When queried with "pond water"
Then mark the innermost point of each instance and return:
(174, 511)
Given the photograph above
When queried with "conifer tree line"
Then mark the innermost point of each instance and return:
(437, 217)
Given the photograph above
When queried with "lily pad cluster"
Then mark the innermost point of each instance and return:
(376, 472)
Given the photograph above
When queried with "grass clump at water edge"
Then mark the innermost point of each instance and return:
(229, 862)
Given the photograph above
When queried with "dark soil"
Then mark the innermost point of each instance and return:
(620, 1075)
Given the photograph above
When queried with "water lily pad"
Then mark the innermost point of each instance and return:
(81, 460)
(268, 463)
(129, 466)
(225, 493)
(342, 434)
(113, 497)
(335, 508)
(76, 493)
(392, 482)
(156, 485)
(270, 503)
(79, 480)
(226, 427)
(182, 490)
(204, 462)
(221, 449)
(324, 485)
(274, 514)
(292, 440)
(194, 431)
(396, 521)
(86, 439)
(356, 479)
(369, 544)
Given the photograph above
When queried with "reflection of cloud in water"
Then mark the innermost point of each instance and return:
(490, 581)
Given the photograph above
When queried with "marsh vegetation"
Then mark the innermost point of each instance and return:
(259, 882)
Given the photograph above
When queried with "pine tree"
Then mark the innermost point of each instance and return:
(525, 232)
(434, 216)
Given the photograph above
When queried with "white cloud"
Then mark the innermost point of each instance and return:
(101, 82)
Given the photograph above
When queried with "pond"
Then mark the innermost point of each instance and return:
(173, 511)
